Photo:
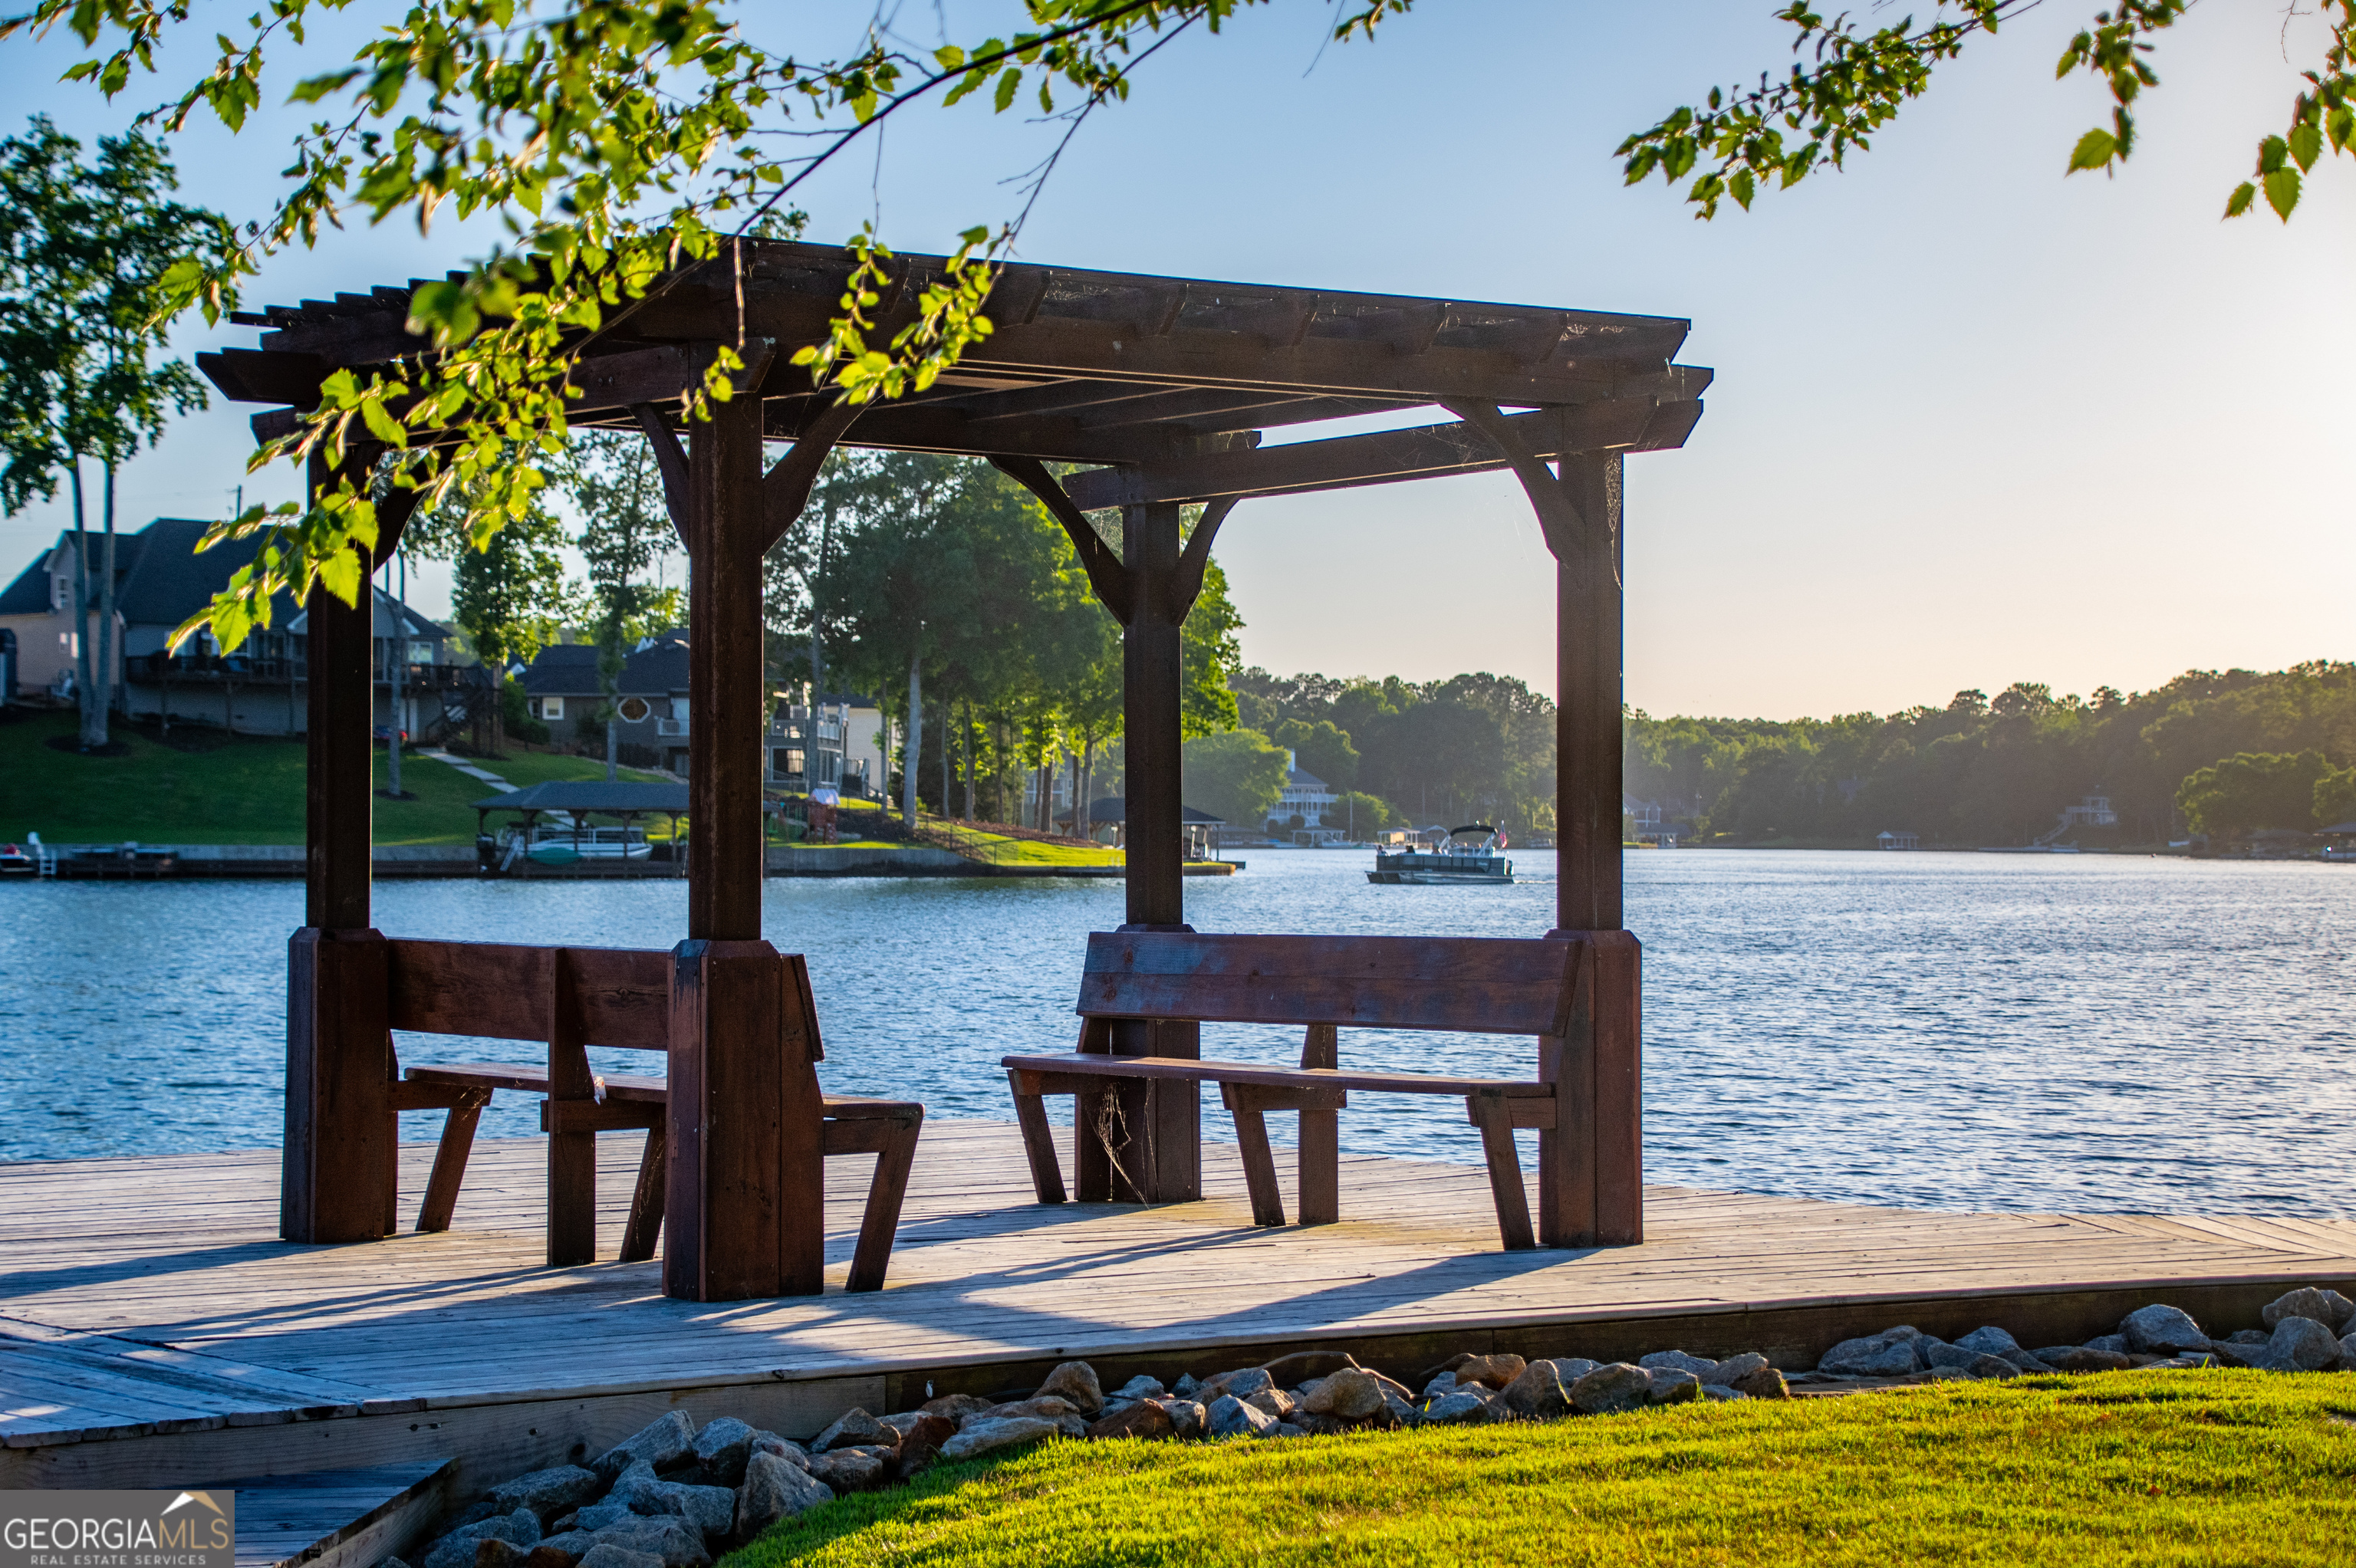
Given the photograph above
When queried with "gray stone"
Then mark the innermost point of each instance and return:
(1991, 1366)
(1274, 1401)
(519, 1527)
(1678, 1362)
(1885, 1355)
(496, 1554)
(1615, 1387)
(784, 1448)
(989, 1434)
(1243, 1384)
(546, 1492)
(660, 1443)
(1714, 1391)
(2025, 1361)
(1347, 1395)
(1398, 1410)
(1140, 1387)
(1142, 1418)
(1076, 1381)
(1228, 1416)
(1186, 1416)
(1047, 1406)
(774, 1488)
(1728, 1372)
(2327, 1307)
(851, 1470)
(1186, 1386)
(678, 1543)
(710, 1509)
(1990, 1342)
(854, 1428)
(2246, 1337)
(1671, 1385)
(1541, 1393)
(1939, 1353)
(2114, 1343)
(597, 1515)
(1461, 1407)
(1491, 1371)
(2159, 1330)
(574, 1544)
(722, 1449)
(1762, 1382)
(2348, 1350)
(956, 1406)
(2302, 1345)
(1286, 1429)
(1942, 1375)
(2084, 1358)
(1440, 1386)
(605, 1555)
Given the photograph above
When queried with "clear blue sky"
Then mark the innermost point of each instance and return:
(1974, 422)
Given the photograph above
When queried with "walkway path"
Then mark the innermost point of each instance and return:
(471, 771)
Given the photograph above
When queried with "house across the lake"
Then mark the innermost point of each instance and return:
(161, 580)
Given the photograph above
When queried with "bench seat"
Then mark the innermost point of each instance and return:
(1145, 995)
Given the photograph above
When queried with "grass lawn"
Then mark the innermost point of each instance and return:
(239, 790)
(1003, 849)
(2123, 1467)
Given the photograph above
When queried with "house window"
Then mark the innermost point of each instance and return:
(552, 708)
(790, 761)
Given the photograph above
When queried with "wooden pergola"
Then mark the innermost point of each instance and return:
(1161, 388)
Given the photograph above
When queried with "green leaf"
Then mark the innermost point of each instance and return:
(382, 425)
(2094, 150)
(1007, 84)
(2271, 152)
(2239, 202)
(2282, 192)
(2306, 143)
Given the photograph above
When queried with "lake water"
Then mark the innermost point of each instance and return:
(1972, 1031)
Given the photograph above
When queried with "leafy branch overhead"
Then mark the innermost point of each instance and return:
(1849, 82)
(623, 144)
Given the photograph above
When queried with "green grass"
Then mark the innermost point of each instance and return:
(2128, 1467)
(1003, 849)
(241, 790)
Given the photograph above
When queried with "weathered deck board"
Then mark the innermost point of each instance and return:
(151, 1296)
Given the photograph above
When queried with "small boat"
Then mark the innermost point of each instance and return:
(16, 862)
(1472, 854)
(552, 844)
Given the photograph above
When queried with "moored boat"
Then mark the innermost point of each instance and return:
(1472, 854)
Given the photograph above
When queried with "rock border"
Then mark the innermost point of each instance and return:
(670, 1495)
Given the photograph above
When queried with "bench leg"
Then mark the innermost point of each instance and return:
(1038, 1144)
(646, 1202)
(1260, 1164)
(1495, 1119)
(881, 1223)
(1320, 1168)
(450, 1162)
(572, 1199)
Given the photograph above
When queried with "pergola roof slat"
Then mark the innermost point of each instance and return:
(1167, 380)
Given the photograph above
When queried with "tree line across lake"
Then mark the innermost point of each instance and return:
(2219, 753)
(938, 588)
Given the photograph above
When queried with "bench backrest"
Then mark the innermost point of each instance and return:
(1474, 984)
(618, 996)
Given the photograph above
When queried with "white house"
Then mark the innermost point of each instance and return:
(1305, 796)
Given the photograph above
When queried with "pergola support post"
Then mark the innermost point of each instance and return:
(1163, 1120)
(745, 1169)
(337, 1178)
(1592, 1165)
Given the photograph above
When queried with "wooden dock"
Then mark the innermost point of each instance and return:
(154, 1330)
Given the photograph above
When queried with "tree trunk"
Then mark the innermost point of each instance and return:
(110, 688)
(947, 809)
(964, 753)
(85, 688)
(911, 754)
(1084, 822)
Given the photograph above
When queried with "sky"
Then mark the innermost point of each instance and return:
(1974, 422)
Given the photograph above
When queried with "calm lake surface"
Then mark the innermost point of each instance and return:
(1963, 1032)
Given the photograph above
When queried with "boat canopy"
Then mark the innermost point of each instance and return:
(591, 795)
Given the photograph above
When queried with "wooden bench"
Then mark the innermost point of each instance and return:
(575, 997)
(1136, 984)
